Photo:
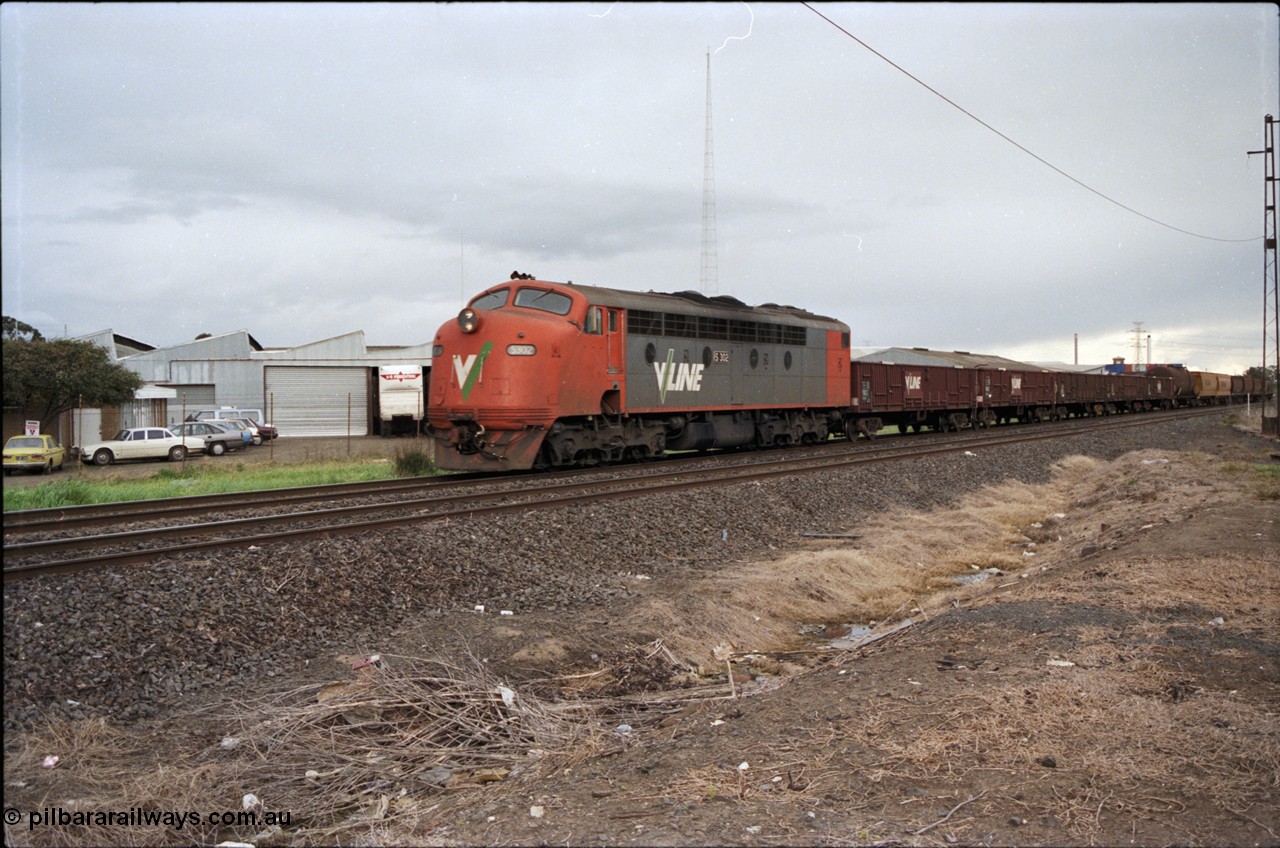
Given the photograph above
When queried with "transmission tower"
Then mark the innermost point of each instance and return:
(1270, 291)
(710, 273)
(1137, 345)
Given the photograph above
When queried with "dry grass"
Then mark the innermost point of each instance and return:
(341, 761)
(1245, 589)
(905, 562)
(1109, 733)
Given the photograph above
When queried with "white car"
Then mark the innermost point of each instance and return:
(141, 443)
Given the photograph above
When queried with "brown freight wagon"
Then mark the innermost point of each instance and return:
(946, 397)
(912, 397)
(1256, 387)
(1161, 392)
(1131, 392)
(1101, 394)
(1084, 394)
(1021, 395)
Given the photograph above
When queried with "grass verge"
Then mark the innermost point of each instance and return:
(205, 480)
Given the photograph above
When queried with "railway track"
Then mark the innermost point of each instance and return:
(394, 503)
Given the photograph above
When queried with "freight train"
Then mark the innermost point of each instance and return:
(538, 374)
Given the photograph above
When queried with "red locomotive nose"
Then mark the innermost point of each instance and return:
(499, 377)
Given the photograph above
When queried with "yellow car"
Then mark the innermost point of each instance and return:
(33, 453)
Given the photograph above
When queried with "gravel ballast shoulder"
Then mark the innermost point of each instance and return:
(147, 641)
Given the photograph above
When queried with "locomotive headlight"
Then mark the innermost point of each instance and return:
(468, 320)
(521, 350)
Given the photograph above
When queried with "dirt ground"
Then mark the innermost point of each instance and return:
(1109, 675)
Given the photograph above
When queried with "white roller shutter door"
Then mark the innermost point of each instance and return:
(313, 401)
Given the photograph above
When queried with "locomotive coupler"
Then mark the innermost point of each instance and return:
(467, 437)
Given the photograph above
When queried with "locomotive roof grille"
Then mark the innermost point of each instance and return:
(674, 325)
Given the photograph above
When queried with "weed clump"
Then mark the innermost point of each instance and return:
(415, 462)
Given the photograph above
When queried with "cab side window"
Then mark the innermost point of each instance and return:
(595, 320)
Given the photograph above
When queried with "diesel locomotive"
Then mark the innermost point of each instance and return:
(535, 373)
(539, 374)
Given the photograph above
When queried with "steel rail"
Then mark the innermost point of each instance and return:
(58, 519)
(471, 505)
(542, 483)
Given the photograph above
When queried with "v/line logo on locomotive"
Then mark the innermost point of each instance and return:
(468, 371)
(684, 377)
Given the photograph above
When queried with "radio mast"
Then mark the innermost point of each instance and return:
(710, 274)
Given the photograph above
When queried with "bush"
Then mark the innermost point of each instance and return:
(415, 462)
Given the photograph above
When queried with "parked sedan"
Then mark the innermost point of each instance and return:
(237, 425)
(141, 443)
(261, 432)
(218, 439)
(33, 453)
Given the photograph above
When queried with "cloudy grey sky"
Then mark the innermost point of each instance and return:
(303, 171)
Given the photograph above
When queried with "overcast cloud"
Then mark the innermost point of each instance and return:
(304, 171)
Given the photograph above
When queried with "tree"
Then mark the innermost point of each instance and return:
(15, 329)
(1268, 373)
(46, 378)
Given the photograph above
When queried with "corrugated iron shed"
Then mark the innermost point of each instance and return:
(944, 358)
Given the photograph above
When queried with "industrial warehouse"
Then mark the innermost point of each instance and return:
(323, 388)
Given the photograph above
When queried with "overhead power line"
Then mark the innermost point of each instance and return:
(1033, 155)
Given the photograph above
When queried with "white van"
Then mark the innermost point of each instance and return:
(226, 412)
(262, 431)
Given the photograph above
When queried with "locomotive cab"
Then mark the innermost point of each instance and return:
(520, 356)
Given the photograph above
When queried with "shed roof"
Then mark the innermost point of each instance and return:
(952, 358)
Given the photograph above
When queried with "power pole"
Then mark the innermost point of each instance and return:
(1270, 293)
(1137, 345)
(710, 274)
